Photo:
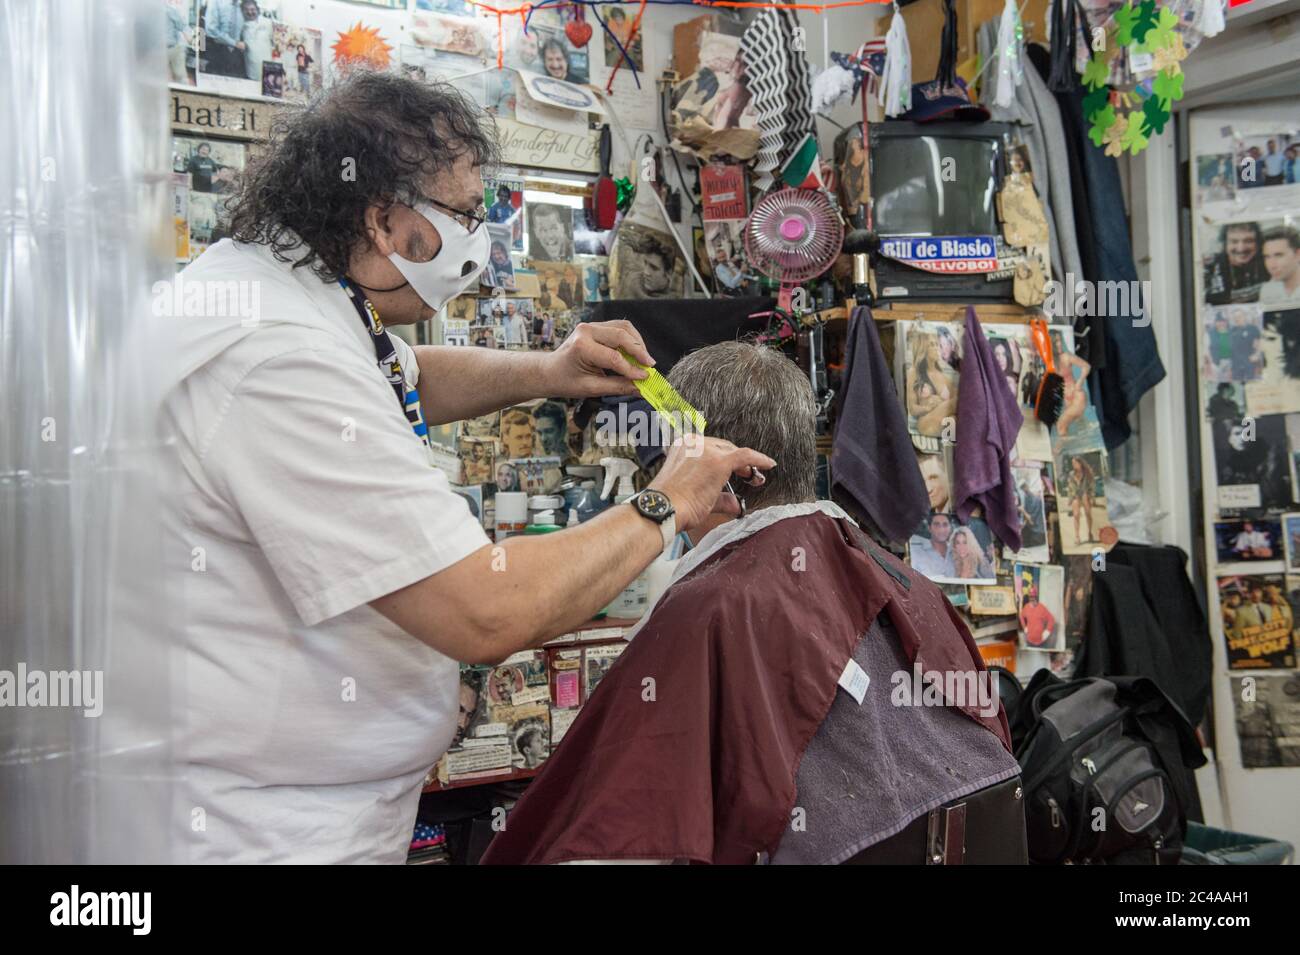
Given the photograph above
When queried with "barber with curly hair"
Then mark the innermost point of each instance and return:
(333, 580)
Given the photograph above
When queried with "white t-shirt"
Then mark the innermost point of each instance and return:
(311, 719)
(1274, 292)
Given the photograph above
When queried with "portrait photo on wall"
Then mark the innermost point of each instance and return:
(500, 269)
(1266, 717)
(532, 475)
(619, 21)
(931, 358)
(463, 35)
(1040, 605)
(1078, 596)
(504, 199)
(595, 281)
(238, 39)
(1225, 399)
(213, 165)
(550, 231)
(1266, 160)
(1010, 361)
(1030, 502)
(517, 435)
(478, 455)
(950, 551)
(182, 32)
(645, 264)
(559, 284)
(1216, 179)
(1078, 428)
(511, 317)
(558, 57)
(1247, 540)
(936, 471)
(1251, 261)
(852, 186)
(1276, 390)
(1291, 542)
(1258, 622)
(529, 731)
(1081, 501)
(550, 430)
(1252, 463)
(273, 80)
(725, 246)
(546, 49)
(299, 50)
(1233, 343)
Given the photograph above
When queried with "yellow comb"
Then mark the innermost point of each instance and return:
(663, 397)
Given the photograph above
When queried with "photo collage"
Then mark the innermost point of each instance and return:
(1034, 594)
(513, 716)
(291, 49)
(1246, 183)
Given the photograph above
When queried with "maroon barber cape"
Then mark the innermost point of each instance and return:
(689, 747)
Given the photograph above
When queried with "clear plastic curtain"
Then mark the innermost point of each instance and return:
(86, 231)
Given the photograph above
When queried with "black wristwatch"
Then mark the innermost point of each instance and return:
(655, 506)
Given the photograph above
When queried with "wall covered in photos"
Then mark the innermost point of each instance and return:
(1245, 188)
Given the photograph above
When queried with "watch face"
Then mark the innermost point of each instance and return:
(654, 505)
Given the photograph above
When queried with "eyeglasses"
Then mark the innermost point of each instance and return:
(469, 220)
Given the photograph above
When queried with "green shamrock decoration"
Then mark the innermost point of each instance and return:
(1146, 20)
(1144, 28)
(1155, 114)
(1135, 138)
(1162, 34)
(1094, 100)
(1168, 87)
(1096, 72)
(1125, 19)
(1102, 120)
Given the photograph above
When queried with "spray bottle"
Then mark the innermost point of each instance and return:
(620, 470)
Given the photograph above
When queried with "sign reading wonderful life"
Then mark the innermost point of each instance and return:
(547, 148)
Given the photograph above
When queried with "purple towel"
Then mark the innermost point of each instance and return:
(988, 422)
(873, 461)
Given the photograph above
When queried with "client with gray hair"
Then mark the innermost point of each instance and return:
(796, 694)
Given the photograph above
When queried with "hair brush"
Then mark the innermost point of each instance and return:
(1050, 400)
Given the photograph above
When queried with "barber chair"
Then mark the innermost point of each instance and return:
(985, 828)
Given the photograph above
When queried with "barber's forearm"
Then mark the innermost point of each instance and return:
(529, 589)
(464, 382)
(556, 582)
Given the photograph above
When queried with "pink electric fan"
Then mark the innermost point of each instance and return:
(793, 235)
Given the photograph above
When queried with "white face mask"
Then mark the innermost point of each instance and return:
(456, 266)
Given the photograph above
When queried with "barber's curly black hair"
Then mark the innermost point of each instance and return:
(396, 131)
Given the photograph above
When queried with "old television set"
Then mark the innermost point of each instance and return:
(939, 182)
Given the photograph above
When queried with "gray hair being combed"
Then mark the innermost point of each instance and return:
(756, 398)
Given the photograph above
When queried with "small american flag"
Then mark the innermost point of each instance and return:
(866, 65)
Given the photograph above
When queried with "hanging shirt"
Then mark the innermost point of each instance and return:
(304, 493)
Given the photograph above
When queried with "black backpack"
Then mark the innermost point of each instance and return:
(1105, 766)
